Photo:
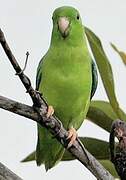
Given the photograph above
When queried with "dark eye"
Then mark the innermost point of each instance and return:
(78, 17)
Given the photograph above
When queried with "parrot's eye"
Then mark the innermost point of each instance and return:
(78, 17)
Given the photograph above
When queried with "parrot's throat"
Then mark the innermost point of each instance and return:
(68, 36)
(64, 34)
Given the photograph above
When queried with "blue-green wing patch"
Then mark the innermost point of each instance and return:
(94, 79)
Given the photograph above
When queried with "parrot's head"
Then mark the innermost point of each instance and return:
(67, 25)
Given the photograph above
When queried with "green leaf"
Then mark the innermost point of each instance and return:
(102, 114)
(105, 71)
(120, 53)
(110, 167)
(98, 148)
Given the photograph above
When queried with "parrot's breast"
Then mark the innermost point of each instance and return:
(66, 84)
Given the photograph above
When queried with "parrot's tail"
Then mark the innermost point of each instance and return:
(49, 150)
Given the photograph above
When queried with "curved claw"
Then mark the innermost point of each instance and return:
(72, 135)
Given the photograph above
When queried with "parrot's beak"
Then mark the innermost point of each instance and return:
(63, 25)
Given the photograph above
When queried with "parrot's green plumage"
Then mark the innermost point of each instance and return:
(64, 77)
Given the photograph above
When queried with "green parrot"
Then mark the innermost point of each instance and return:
(67, 79)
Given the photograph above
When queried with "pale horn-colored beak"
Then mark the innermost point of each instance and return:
(63, 25)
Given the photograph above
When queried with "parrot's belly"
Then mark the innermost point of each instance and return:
(66, 84)
(69, 95)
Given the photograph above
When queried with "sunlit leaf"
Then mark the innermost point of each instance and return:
(105, 71)
(121, 53)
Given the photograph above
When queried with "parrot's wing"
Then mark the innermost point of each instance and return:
(39, 74)
(94, 79)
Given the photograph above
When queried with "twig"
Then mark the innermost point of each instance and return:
(7, 174)
(53, 124)
(27, 54)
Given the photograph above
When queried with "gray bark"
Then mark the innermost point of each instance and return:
(7, 174)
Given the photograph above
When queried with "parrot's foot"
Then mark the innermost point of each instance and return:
(72, 135)
(50, 111)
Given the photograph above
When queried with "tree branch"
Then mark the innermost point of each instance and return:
(7, 174)
(52, 123)
(19, 108)
(118, 150)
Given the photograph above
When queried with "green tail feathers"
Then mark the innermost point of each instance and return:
(49, 150)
